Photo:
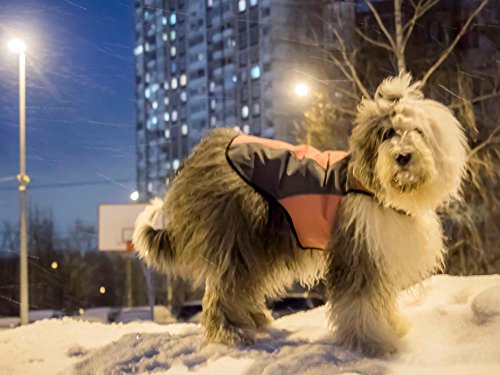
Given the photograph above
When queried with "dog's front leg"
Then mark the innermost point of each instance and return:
(361, 302)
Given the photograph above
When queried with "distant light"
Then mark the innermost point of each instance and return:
(183, 80)
(174, 116)
(173, 51)
(301, 89)
(167, 133)
(184, 129)
(245, 111)
(164, 20)
(154, 104)
(242, 5)
(81, 311)
(173, 83)
(134, 195)
(255, 72)
(54, 265)
(138, 50)
(235, 78)
(173, 19)
(17, 45)
(102, 290)
(246, 129)
(175, 164)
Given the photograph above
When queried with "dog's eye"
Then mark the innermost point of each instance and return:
(388, 134)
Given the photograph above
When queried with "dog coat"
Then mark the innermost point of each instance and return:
(308, 184)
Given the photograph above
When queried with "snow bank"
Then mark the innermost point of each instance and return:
(455, 330)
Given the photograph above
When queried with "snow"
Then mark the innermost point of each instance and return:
(455, 330)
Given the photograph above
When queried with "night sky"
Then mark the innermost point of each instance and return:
(80, 106)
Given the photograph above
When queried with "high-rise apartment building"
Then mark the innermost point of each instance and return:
(209, 63)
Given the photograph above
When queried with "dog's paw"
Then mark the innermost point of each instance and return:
(400, 325)
(231, 336)
(261, 318)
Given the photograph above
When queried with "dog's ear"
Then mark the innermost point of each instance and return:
(393, 89)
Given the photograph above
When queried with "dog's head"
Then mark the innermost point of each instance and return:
(410, 151)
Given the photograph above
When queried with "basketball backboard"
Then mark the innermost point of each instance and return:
(116, 225)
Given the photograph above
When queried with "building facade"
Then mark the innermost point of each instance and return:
(202, 64)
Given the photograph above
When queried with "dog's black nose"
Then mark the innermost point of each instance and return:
(403, 159)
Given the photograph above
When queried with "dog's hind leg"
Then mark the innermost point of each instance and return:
(231, 314)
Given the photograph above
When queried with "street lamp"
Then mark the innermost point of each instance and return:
(17, 46)
(301, 89)
(134, 195)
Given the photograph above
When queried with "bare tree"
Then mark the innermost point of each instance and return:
(382, 47)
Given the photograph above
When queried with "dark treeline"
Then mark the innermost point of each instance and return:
(65, 273)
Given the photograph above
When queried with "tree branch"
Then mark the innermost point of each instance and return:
(444, 55)
(381, 24)
(422, 7)
(373, 41)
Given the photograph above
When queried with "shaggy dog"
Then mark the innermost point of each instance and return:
(214, 228)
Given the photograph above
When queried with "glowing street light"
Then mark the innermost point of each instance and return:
(102, 290)
(134, 195)
(19, 47)
(301, 89)
(54, 265)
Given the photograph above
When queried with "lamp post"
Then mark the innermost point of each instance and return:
(17, 46)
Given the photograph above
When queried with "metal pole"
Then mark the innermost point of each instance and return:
(129, 279)
(23, 184)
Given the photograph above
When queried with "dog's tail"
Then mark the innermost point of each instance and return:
(151, 238)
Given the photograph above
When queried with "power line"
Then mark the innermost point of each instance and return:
(70, 184)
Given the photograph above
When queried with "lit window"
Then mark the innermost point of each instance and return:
(167, 133)
(166, 100)
(212, 103)
(154, 120)
(210, 3)
(155, 104)
(173, 51)
(138, 50)
(256, 109)
(246, 129)
(165, 86)
(234, 78)
(253, 3)
(166, 116)
(173, 83)
(147, 93)
(146, 47)
(255, 72)
(244, 111)
(213, 120)
(173, 19)
(183, 97)
(164, 37)
(147, 78)
(174, 115)
(164, 20)
(212, 86)
(172, 35)
(242, 5)
(201, 56)
(155, 87)
(175, 164)
(184, 129)
(183, 80)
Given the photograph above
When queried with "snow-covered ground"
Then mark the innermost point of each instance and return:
(456, 330)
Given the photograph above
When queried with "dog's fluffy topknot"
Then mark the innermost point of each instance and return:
(388, 94)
